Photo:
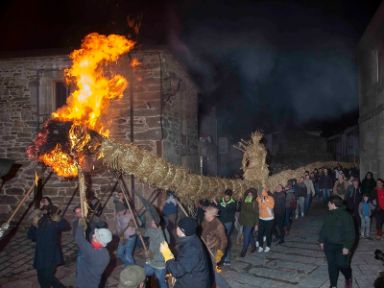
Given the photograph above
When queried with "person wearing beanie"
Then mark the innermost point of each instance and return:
(94, 256)
(266, 219)
(191, 267)
(132, 276)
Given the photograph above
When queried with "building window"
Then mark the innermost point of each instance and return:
(61, 94)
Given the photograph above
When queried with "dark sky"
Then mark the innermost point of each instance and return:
(263, 64)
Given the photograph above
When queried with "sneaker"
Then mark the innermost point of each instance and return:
(243, 252)
(264, 238)
(260, 249)
(257, 244)
(267, 249)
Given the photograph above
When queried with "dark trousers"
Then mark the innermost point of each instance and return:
(379, 216)
(279, 226)
(265, 229)
(337, 262)
(248, 237)
(47, 278)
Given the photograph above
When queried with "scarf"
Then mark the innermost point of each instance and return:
(97, 245)
(248, 199)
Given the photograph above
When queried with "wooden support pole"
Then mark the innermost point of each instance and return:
(83, 196)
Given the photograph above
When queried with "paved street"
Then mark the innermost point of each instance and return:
(296, 263)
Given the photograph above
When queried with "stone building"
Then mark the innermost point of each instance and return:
(344, 146)
(370, 56)
(164, 114)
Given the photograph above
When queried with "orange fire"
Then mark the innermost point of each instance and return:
(61, 163)
(93, 91)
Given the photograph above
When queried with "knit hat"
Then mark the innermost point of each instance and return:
(131, 277)
(188, 225)
(103, 236)
(210, 210)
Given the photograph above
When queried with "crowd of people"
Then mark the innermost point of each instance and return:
(193, 250)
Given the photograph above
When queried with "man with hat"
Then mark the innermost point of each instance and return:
(132, 276)
(94, 256)
(191, 267)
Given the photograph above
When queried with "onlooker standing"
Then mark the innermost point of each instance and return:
(191, 267)
(279, 211)
(94, 257)
(249, 218)
(368, 186)
(310, 192)
(365, 211)
(127, 232)
(353, 199)
(379, 213)
(227, 211)
(340, 187)
(290, 205)
(325, 185)
(337, 237)
(301, 191)
(45, 231)
(266, 205)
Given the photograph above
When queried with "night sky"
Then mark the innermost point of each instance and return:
(265, 65)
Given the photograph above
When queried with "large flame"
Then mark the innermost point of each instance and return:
(93, 91)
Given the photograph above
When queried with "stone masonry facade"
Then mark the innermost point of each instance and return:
(164, 119)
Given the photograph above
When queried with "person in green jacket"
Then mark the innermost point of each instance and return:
(337, 237)
(249, 218)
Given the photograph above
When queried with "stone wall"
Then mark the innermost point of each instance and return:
(27, 86)
(370, 57)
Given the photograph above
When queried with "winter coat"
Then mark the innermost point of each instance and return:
(325, 181)
(191, 267)
(91, 262)
(249, 214)
(380, 198)
(290, 199)
(47, 237)
(227, 211)
(266, 205)
(301, 190)
(370, 207)
(338, 228)
(340, 189)
(368, 187)
(214, 235)
(279, 198)
(156, 236)
(352, 199)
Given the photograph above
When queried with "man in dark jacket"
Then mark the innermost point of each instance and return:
(227, 211)
(94, 257)
(337, 237)
(352, 199)
(191, 268)
(45, 231)
(279, 210)
(325, 185)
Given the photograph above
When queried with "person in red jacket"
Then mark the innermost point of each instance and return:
(379, 213)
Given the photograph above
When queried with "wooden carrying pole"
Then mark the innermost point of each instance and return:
(122, 187)
(83, 196)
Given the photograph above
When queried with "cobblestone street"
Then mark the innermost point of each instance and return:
(297, 263)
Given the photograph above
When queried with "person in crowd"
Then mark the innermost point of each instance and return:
(337, 237)
(191, 267)
(279, 212)
(94, 256)
(310, 192)
(266, 204)
(341, 186)
(126, 230)
(45, 231)
(314, 176)
(132, 276)
(96, 220)
(237, 225)
(379, 213)
(290, 205)
(169, 212)
(325, 185)
(213, 234)
(338, 172)
(249, 216)
(155, 264)
(368, 186)
(352, 200)
(301, 191)
(366, 209)
(201, 206)
(227, 210)
(119, 202)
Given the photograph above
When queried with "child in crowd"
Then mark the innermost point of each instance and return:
(365, 211)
